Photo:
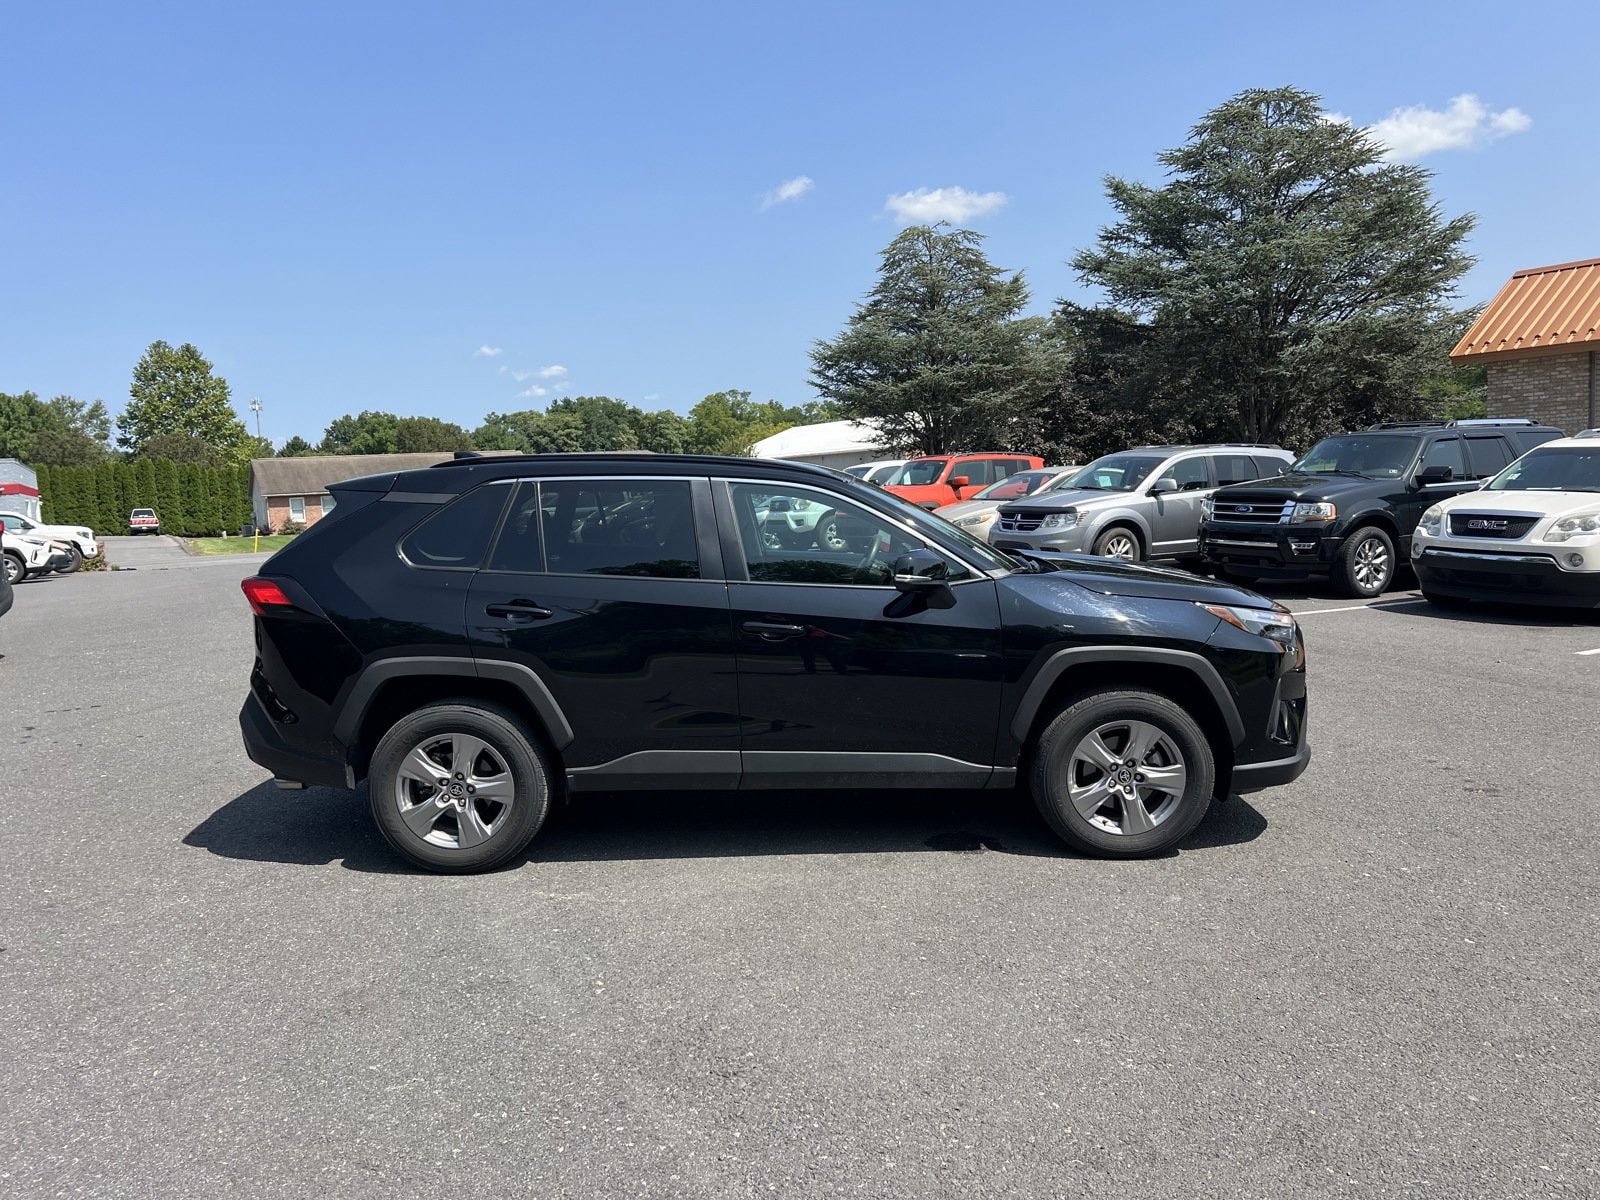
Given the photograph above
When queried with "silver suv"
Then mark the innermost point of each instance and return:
(1138, 504)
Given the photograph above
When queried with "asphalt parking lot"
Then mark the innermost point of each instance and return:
(1379, 981)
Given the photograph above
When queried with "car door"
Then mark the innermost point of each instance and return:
(979, 474)
(1446, 451)
(1175, 515)
(843, 680)
(609, 591)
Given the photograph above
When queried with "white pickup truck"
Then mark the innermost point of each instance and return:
(75, 541)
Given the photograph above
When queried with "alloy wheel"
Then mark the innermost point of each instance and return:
(454, 791)
(1372, 566)
(1120, 545)
(1126, 777)
(831, 538)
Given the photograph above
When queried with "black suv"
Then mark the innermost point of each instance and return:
(1348, 507)
(478, 638)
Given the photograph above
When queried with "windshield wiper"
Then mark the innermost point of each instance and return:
(1334, 471)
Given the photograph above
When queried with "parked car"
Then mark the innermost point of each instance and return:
(939, 479)
(1530, 535)
(143, 520)
(444, 637)
(1347, 508)
(880, 471)
(24, 556)
(75, 541)
(1138, 504)
(977, 516)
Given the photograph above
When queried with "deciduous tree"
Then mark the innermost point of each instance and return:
(174, 392)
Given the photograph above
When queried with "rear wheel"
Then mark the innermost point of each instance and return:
(1119, 542)
(459, 787)
(1365, 565)
(1123, 773)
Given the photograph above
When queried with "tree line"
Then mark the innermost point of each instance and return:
(192, 500)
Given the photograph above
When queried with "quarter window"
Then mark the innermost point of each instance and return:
(456, 536)
(796, 535)
(614, 527)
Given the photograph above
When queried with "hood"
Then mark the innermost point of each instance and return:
(1116, 577)
(965, 508)
(1527, 504)
(1063, 499)
(1294, 485)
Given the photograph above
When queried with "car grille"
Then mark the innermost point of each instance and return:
(1260, 512)
(1490, 525)
(1014, 522)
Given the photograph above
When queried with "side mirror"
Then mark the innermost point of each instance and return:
(920, 571)
(958, 481)
(1438, 473)
(1162, 486)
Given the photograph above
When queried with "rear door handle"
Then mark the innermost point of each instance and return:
(525, 610)
(773, 632)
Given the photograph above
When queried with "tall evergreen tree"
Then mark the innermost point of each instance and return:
(168, 497)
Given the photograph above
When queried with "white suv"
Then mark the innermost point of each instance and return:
(1530, 535)
(75, 540)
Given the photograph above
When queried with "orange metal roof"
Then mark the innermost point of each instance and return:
(1542, 309)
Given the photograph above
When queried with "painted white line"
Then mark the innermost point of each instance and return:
(1589, 651)
(1317, 612)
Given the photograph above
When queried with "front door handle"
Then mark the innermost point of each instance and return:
(773, 632)
(525, 610)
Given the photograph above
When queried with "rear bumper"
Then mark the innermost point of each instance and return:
(1505, 577)
(266, 746)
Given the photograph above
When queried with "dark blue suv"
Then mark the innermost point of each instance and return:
(477, 639)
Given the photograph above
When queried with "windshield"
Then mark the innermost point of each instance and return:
(1568, 469)
(1024, 483)
(921, 470)
(859, 472)
(1113, 473)
(1372, 456)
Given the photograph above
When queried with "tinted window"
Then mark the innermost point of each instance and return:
(922, 470)
(520, 547)
(1489, 455)
(619, 527)
(1563, 469)
(1113, 473)
(977, 470)
(457, 535)
(1446, 452)
(1189, 474)
(1015, 486)
(1270, 466)
(1233, 468)
(796, 535)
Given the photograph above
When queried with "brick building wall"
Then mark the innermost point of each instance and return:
(1555, 389)
(278, 510)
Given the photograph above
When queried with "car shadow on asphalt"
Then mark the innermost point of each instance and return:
(319, 826)
(1486, 612)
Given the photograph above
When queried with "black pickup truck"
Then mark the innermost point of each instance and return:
(1346, 510)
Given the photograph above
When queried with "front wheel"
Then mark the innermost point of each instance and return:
(16, 569)
(830, 538)
(1119, 542)
(1123, 773)
(1365, 565)
(74, 561)
(459, 787)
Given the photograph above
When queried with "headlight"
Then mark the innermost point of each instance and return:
(1574, 526)
(1276, 623)
(1432, 521)
(1060, 520)
(1320, 511)
(1207, 507)
(979, 519)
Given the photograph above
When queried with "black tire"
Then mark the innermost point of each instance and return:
(1055, 770)
(829, 537)
(1357, 571)
(16, 569)
(75, 557)
(504, 737)
(1115, 535)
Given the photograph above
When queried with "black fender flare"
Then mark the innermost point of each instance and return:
(1058, 663)
(523, 678)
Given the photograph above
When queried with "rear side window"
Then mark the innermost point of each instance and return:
(618, 527)
(456, 536)
(1233, 468)
(1490, 455)
(1270, 466)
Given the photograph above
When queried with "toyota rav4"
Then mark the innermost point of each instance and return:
(477, 639)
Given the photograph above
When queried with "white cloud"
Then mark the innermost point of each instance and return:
(519, 376)
(1466, 124)
(789, 189)
(555, 372)
(653, 396)
(487, 352)
(533, 393)
(928, 206)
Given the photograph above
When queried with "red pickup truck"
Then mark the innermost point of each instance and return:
(941, 479)
(143, 520)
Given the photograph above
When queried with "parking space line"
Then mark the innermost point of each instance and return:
(1317, 612)
(1596, 651)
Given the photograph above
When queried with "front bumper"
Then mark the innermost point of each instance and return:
(1269, 549)
(1056, 541)
(1256, 777)
(1520, 577)
(266, 746)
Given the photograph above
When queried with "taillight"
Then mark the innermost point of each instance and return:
(264, 594)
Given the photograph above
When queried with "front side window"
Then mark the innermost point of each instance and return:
(1568, 469)
(1189, 474)
(1446, 452)
(978, 471)
(797, 535)
(1369, 456)
(456, 536)
(618, 527)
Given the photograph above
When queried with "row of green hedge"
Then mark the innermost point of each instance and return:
(191, 500)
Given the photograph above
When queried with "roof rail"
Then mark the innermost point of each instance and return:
(1407, 425)
(1495, 421)
(1587, 433)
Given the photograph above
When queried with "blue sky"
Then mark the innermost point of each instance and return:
(347, 206)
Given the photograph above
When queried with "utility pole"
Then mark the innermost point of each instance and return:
(255, 407)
